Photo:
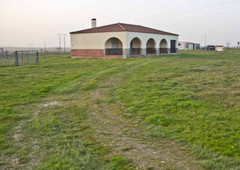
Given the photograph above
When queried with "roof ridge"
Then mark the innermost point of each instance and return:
(94, 28)
(119, 27)
(129, 24)
(122, 26)
(154, 29)
(147, 27)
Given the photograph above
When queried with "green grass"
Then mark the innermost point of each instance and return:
(192, 98)
(23, 89)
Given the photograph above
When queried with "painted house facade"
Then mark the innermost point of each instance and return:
(121, 41)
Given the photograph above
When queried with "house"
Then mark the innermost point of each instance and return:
(219, 48)
(188, 46)
(121, 41)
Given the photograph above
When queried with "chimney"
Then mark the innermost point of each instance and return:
(94, 22)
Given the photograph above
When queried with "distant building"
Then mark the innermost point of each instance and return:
(1, 51)
(219, 48)
(188, 46)
(210, 48)
(121, 41)
(214, 48)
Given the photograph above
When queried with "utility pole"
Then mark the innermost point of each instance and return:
(205, 40)
(59, 41)
(30, 47)
(64, 42)
(45, 48)
(205, 48)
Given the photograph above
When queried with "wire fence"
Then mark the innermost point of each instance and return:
(50, 51)
(41, 51)
(7, 59)
(18, 58)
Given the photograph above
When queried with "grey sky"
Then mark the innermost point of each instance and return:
(24, 22)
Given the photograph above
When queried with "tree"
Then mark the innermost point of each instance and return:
(228, 44)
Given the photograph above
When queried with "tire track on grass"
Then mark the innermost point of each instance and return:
(126, 137)
(18, 136)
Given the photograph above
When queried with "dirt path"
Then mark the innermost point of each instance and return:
(127, 138)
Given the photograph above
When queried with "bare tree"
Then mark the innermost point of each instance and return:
(228, 44)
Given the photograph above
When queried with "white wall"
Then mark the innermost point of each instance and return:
(218, 48)
(190, 46)
(182, 46)
(95, 40)
(98, 40)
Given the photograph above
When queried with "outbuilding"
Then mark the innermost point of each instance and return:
(219, 48)
(210, 48)
(122, 41)
(188, 46)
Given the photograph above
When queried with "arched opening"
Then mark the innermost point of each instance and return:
(163, 47)
(151, 47)
(113, 46)
(135, 47)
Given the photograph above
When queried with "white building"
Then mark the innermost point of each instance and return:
(121, 41)
(219, 48)
(188, 46)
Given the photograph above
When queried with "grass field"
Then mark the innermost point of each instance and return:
(169, 112)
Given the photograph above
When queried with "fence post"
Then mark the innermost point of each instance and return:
(27, 58)
(16, 58)
(2, 51)
(37, 61)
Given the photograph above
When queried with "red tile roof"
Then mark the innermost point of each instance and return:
(120, 27)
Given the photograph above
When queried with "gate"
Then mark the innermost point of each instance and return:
(19, 58)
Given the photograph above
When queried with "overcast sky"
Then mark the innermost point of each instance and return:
(24, 22)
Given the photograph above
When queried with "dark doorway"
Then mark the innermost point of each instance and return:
(173, 46)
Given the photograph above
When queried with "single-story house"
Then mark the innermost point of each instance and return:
(121, 41)
(188, 46)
